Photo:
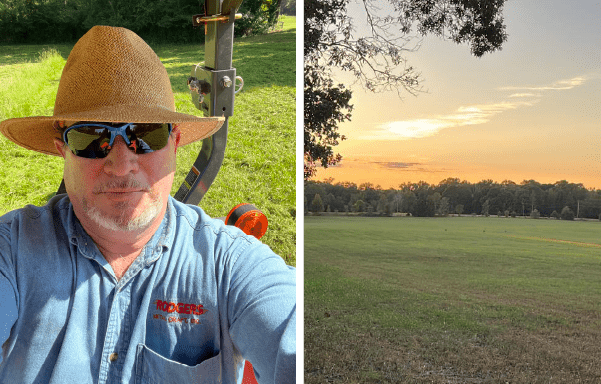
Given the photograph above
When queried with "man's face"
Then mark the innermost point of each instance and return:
(123, 191)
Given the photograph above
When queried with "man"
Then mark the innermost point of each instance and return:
(117, 282)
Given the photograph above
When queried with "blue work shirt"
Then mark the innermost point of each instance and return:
(198, 300)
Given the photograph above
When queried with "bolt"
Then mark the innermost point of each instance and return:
(193, 84)
(226, 82)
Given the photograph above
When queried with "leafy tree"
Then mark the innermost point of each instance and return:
(325, 104)
(258, 17)
(435, 200)
(377, 60)
(330, 201)
(312, 188)
(382, 206)
(288, 7)
(359, 206)
(425, 202)
(49, 21)
(567, 213)
(317, 204)
(388, 209)
(486, 207)
(444, 207)
(370, 194)
(535, 214)
(397, 201)
(459, 209)
(457, 191)
(409, 201)
(338, 204)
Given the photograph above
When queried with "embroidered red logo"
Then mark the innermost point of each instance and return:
(181, 308)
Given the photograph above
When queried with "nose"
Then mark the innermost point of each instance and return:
(121, 160)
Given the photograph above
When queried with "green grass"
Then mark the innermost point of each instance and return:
(259, 165)
(451, 300)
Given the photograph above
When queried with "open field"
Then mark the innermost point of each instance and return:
(259, 164)
(452, 300)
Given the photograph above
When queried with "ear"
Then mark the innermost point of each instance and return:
(60, 147)
(176, 134)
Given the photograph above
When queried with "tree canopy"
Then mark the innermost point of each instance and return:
(377, 59)
(60, 21)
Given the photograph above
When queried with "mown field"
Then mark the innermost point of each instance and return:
(259, 165)
(452, 300)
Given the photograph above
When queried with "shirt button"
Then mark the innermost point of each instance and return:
(113, 357)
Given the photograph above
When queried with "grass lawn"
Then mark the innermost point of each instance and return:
(452, 300)
(259, 165)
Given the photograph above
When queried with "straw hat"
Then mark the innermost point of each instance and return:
(111, 75)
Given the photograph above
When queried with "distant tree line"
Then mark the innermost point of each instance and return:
(167, 21)
(452, 196)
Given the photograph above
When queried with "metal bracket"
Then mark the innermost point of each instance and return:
(213, 91)
(212, 87)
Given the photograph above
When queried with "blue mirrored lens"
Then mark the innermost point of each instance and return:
(94, 140)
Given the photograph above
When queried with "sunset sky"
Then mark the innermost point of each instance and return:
(529, 111)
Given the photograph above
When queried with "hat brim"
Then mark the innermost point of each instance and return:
(37, 132)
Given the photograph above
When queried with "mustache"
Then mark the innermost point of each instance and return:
(126, 184)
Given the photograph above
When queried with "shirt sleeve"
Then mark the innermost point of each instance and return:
(8, 292)
(262, 313)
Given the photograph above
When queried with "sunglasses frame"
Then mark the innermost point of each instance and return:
(114, 131)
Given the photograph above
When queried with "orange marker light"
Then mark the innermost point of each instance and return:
(249, 219)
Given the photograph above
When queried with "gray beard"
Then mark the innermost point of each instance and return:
(121, 222)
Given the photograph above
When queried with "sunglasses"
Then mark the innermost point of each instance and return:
(94, 140)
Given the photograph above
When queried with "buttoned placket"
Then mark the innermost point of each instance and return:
(111, 349)
(120, 319)
(119, 327)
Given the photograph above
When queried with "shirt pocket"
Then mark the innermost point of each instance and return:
(152, 368)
